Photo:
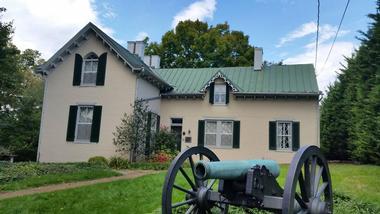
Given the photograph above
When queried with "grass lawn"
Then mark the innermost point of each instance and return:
(25, 175)
(143, 195)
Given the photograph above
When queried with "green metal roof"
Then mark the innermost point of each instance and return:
(276, 79)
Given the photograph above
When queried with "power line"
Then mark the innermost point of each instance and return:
(316, 40)
(336, 34)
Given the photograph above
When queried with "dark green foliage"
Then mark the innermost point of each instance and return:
(350, 114)
(21, 94)
(117, 162)
(10, 172)
(195, 44)
(165, 141)
(98, 160)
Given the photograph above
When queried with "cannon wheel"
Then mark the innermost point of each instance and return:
(308, 182)
(195, 197)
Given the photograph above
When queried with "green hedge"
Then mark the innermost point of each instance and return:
(17, 171)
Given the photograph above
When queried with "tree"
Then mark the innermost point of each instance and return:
(131, 135)
(20, 97)
(10, 74)
(350, 120)
(195, 44)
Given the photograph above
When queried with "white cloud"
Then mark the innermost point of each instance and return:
(330, 70)
(202, 10)
(108, 11)
(326, 32)
(326, 74)
(47, 25)
(141, 36)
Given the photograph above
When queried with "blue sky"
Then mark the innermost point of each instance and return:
(284, 28)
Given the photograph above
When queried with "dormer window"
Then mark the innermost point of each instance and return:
(220, 94)
(90, 68)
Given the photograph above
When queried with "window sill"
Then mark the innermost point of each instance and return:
(216, 147)
(284, 151)
(87, 85)
(219, 104)
(82, 142)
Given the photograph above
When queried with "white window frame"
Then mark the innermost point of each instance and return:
(279, 135)
(220, 89)
(91, 60)
(87, 123)
(219, 134)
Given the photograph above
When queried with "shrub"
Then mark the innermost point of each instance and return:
(117, 162)
(98, 160)
(165, 141)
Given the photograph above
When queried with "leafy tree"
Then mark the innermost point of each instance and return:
(350, 120)
(130, 136)
(20, 97)
(195, 44)
(10, 74)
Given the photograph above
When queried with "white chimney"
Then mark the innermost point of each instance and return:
(137, 47)
(152, 61)
(258, 58)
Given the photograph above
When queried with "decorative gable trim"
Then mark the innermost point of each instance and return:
(219, 74)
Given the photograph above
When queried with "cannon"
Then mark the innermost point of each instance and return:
(198, 182)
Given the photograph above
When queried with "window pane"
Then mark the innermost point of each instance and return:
(87, 65)
(226, 140)
(227, 127)
(94, 66)
(85, 114)
(220, 88)
(210, 140)
(89, 78)
(211, 127)
(83, 131)
(222, 98)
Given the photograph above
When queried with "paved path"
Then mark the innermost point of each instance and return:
(127, 174)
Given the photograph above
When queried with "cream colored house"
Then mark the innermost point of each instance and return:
(239, 112)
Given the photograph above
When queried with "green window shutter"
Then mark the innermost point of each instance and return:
(70, 135)
(227, 93)
(158, 123)
(296, 136)
(96, 120)
(201, 133)
(77, 69)
(236, 135)
(211, 98)
(272, 135)
(148, 133)
(101, 72)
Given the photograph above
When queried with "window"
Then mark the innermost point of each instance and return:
(90, 68)
(284, 135)
(84, 123)
(219, 133)
(220, 94)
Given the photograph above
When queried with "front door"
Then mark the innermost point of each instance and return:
(176, 129)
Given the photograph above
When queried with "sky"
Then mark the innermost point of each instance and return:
(285, 29)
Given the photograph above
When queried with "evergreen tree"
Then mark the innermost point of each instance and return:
(350, 120)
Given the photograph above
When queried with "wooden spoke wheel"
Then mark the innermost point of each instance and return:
(308, 187)
(183, 192)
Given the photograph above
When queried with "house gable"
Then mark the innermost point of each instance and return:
(132, 61)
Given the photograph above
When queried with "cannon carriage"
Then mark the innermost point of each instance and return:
(198, 182)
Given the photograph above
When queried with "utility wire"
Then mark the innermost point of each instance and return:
(316, 40)
(336, 34)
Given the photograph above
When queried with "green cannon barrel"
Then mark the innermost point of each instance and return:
(232, 170)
